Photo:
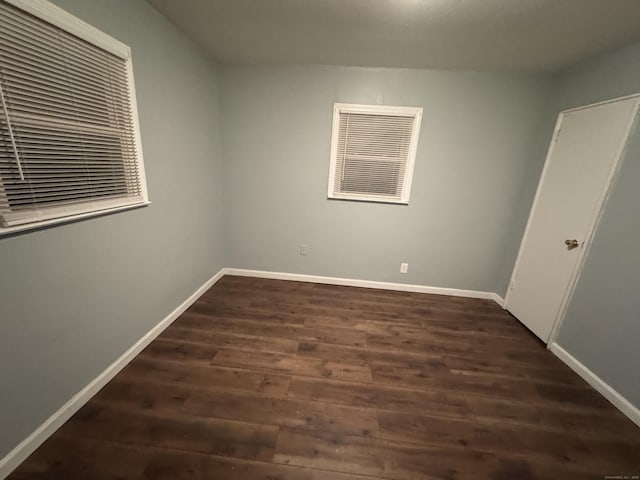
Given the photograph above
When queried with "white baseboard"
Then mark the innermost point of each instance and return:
(596, 382)
(44, 431)
(498, 299)
(20, 453)
(351, 282)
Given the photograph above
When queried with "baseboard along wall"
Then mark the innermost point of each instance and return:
(44, 431)
(352, 282)
(25, 448)
(616, 399)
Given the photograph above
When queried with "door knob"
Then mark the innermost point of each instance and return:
(571, 244)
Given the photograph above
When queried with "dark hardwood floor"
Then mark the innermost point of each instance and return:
(274, 380)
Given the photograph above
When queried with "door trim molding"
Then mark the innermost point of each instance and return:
(602, 102)
(536, 199)
(593, 224)
(608, 392)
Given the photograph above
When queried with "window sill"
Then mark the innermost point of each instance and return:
(368, 199)
(68, 219)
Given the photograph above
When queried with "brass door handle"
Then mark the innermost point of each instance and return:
(571, 244)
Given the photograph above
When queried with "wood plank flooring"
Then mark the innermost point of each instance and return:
(275, 380)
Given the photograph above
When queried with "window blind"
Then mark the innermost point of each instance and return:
(68, 142)
(372, 153)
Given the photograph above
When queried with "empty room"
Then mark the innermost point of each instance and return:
(319, 240)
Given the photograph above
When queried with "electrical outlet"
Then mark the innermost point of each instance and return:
(304, 249)
(404, 267)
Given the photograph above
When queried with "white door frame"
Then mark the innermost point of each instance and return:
(593, 224)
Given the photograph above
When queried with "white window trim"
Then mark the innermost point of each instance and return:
(380, 110)
(55, 15)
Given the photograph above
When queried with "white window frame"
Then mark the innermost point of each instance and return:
(55, 15)
(387, 110)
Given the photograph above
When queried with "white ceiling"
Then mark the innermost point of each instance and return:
(512, 35)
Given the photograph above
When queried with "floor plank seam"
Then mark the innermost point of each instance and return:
(570, 408)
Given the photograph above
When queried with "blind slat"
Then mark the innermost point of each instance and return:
(57, 74)
(26, 91)
(43, 36)
(70, 133)
(56, 55)
(61, 125)
(56, 77)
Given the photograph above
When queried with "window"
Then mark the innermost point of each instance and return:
(69, 133)
(373, 150)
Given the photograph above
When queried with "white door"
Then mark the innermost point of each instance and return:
(581, 161)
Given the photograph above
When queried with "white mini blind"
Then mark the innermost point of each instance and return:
(68, 138)
(373, 152)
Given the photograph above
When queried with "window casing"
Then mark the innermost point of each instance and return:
(373, 150)
(69, 134)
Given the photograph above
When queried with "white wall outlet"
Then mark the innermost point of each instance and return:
(304, 249)
(404, 267)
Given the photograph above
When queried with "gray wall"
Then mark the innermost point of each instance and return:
(73, 298)
(480, 137)
(602, 326)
